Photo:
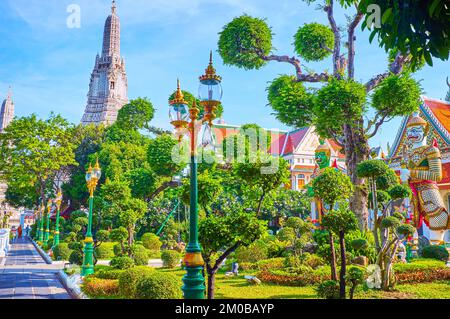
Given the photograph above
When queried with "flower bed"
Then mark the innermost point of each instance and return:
(295, 277)
(100, 288)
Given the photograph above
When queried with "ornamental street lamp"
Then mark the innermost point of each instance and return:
(92, 177)
(47, 230)
(210, 94)
(41, 226)
(36, 221)
(58, 202)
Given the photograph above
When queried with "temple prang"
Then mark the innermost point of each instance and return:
(108, 88)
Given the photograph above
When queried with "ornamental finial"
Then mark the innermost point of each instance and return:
(210, 72)
(113, 7)
(179, 96)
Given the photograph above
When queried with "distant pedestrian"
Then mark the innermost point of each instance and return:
(14, 234)
(19, 232)
(27, 231)
(235, 268)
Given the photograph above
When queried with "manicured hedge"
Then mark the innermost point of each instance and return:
(170, 258)
(159, 285)
(62, 252)
(105, 251)
(100, 288)
(129, 279)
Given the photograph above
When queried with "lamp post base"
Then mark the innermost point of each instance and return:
(194, 283)
(56, 240)
(88, 260)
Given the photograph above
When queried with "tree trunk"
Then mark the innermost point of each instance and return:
(357, 151)
(211, 283)
(332, 258)
(343, 266)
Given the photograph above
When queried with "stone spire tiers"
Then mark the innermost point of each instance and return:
(6, 111)
(108, 89)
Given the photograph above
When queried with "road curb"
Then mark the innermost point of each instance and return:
(44, 256)
(74, 292)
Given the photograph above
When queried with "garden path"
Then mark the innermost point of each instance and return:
(25, 275)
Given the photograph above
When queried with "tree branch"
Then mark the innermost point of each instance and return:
(395, 67)
(351, 44)
(314, 77)
(337, 39)
(377, 126)
(335, 137)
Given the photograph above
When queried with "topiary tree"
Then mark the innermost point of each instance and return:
(151, 241)
(338, 109)
(120, 235)
(340, 222)
(230, 232)
(332, 186)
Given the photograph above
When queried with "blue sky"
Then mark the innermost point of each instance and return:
(49, 65)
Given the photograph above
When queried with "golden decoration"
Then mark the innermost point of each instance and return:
(210, 72)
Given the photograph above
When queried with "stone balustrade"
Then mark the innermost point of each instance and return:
(4, 242)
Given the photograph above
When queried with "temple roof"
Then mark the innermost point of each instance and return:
(6, 111)
(437, 113)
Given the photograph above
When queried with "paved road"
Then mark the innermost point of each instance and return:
(25, 275)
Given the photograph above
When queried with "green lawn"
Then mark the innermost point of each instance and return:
(238, 288)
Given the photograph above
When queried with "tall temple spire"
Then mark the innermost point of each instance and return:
(447, 98)
(108, 89)
(111, 34)
(6, 111)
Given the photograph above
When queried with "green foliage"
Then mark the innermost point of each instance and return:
(234, 228)
(151, 241)
(253, 253)
(105, 251)
(312, 41)
(338, 103)
(160, 156)
(122, 262)
(406, 230)
(387, 180)
(435, 252)
(129, 278)
(140, 255)
(119, 234)
(159, 285)
(170, 258)
(328, 290)
(76, 258)
(62, 252)
(399, 191)
(332, 186)
(340, 220)
(136, 115)
(291, 101)
(113, 274)
(244, 41)
(209, 188)
(359, 244)
(382, 197)
(414, 28)
(371, 168)
(397, 95)
(390, 222)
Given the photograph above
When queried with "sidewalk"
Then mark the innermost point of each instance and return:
(25, 275)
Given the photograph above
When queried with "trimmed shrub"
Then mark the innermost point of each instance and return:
(151, 241)
(105, 251)
(313, 261)
(117, 250)
(62, 252)
(435, 252)
(328, 290)
(121, 262)
(140, 255)
(159, 286)
(273, 263)
(297, 277)
(253, 253)
(100, 288)
(129, 278)
(76, 258)
(108, 273)
(170, 258)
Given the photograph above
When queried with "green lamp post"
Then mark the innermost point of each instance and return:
(47, 229)
(37, 222)
(210, 94)
(41, 225)
(92, 177)
(58, 202)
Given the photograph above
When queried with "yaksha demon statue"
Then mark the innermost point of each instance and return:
(322, 158)
(423, 171)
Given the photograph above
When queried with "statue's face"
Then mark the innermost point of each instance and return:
(416, 134)
(322, 159)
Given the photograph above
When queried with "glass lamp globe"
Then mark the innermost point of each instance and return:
(97, 173)
(179, 113)
(88, 176)
(210, 90)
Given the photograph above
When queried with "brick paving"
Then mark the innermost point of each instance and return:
(25, 275)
